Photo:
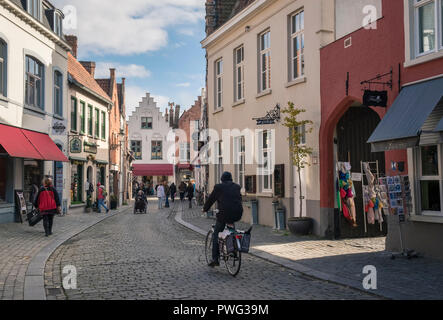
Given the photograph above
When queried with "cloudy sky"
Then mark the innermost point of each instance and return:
(154, 44)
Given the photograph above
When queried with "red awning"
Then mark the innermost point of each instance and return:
(21, 143)
(144, 170)
(186, 166)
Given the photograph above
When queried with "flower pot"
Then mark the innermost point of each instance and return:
(113, 205)
(300, 226)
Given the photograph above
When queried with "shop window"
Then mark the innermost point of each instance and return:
(430, 179)
(3, 166)
(76, 183)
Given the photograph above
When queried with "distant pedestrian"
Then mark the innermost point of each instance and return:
(182, 190)
(173, 191)
(160, 195)
(48, 203)
(101, 198)
(190, 193)
(167, 193)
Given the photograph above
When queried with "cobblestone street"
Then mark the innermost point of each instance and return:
(153, 257)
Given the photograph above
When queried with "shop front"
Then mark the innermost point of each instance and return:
(153, 174)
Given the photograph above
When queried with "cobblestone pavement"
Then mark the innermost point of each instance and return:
(19, 243)
(344, 260)
(153, 257)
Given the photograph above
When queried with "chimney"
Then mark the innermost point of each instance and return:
(112, 71)
(177, 115)
(89, 66)
(171, 116)
(73, 43)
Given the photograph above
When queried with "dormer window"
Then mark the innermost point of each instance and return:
(34, 8)
(58, 29)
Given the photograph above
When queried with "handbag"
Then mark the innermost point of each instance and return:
(34, 217)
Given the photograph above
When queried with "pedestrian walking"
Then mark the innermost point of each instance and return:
(160, 195)
(182, 190)
(190, 193)
(101, 196)
(173, 191)
(48, 203)
(167, 193)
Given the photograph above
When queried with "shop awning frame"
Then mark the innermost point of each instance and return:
(401, 127)
(146, 170)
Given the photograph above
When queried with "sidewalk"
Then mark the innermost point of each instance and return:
(24, 251)
(339, 261)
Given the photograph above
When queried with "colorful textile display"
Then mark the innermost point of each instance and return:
(346, 192)
(372, 197)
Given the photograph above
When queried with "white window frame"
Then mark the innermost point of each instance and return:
(218, 72)
(29, 75)
(264, 49)
(159, 154)
(437, 26)
(58, 24)
(141, 149)
(300, 57)
(240, 161)
(438, 177)
(58, 103)
(239, 74)
(184, 152)
(31, 7)
(265, 172)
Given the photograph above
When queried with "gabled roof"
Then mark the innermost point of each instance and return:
(85, 79)
(105, 84)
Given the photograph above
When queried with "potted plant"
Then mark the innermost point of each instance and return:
(299, 152)
(113, 202)
(88, 207)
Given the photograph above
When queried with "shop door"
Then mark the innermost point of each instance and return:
(353, 132)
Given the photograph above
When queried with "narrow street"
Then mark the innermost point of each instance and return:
(153, 257)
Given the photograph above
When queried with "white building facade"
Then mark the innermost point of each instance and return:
(33, 99)
(152, 141)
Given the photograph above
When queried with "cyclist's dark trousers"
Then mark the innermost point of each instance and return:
(219, 227)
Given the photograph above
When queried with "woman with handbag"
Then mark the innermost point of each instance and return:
(48, 203)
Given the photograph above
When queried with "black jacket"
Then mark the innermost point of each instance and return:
(173, 189)
(229, 200)
(190, 191)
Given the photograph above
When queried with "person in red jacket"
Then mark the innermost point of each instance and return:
(48, 203)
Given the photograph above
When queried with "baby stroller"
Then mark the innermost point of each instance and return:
(141, 203)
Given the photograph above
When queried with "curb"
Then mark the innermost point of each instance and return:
(34, 284)
(294, 265)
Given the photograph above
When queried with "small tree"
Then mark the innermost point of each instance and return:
(299, 151)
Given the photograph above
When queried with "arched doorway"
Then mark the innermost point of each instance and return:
(352, 133)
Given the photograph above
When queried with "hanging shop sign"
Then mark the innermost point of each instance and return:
(75, 146)
(270, 118)
(375, 98)
(90, 147)
(58, 127)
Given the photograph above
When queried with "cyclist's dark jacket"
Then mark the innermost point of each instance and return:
(229, 200)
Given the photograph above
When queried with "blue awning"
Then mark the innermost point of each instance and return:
(401, 126)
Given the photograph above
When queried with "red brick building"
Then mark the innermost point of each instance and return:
(347, 125)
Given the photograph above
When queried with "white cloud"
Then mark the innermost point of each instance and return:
(185, 84)
(126, 71)
(132, 26)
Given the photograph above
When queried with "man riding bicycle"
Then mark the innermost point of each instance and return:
(229, 201)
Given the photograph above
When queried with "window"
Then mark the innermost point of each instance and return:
(302, 129)
(103, 125)
(430, 180)
(265, 61)
(58, 93)
(239, 74)
(82, 117)
(74, 113)
(185, 152)
(196, 135)
(218, 83)
(97, 123)
(239, 145)
(3, 67)
(90, 120)
(34, 8)
(297, 60)
(34, 83)
(218, 161)
(428, 24)
(58, 26)
(136, 147)
(265, 161)
(156, 150)
(146, 122)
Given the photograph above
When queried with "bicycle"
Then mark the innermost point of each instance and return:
(230, 253)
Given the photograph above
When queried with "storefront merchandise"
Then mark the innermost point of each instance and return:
(346, 192)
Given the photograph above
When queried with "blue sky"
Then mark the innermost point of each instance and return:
(154, 44)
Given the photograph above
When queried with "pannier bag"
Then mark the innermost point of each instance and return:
(245, 242)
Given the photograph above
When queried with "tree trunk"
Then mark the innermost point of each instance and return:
(301, 194)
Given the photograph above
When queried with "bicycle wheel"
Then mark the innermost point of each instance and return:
(233, 263)
(208, 247)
